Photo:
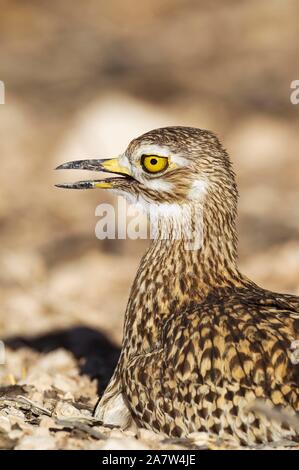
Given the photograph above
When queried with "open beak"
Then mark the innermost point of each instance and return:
(110, 165)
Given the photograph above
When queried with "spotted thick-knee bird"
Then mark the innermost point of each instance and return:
(201, 341)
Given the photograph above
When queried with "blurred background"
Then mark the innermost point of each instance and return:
(82, 79)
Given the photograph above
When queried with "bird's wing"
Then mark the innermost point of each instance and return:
(225, 353)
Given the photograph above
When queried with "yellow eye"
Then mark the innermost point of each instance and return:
(154, 163)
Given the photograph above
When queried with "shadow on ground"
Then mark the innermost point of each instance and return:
(96, 354)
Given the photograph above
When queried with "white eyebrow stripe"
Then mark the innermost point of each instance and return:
(150, 149)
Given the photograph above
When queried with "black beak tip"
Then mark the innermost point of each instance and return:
(63, 166)
(68, 185)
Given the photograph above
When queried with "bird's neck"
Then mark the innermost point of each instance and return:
(178, 271)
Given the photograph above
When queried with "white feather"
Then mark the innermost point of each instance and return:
(198, 189)
(158, 184)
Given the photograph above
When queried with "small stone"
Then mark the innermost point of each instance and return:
(37, 397)
(41, 380)
(69, 396)
(16, 434)
(16, 413)
(64, 409)
(47, 422)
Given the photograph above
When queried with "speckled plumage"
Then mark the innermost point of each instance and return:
(201, 341)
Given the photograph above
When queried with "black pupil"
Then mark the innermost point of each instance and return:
(154, 161)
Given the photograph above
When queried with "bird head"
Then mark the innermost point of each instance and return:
(170, 166)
